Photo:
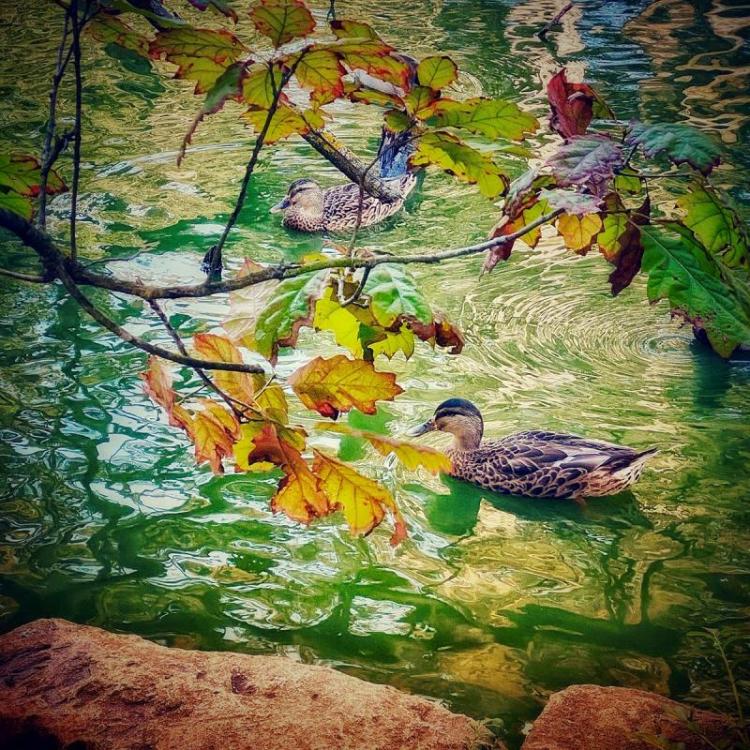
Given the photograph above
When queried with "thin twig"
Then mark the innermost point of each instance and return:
(76, 46)
(183, 350)
(47, 150)
(32, 278)
(358, 291)
(45, 247)
(542, 33)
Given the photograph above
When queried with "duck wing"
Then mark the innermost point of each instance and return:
(341, 204)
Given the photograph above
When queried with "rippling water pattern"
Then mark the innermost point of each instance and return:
(492, 603)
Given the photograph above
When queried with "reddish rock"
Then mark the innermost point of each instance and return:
(590, 717)
(71, 686)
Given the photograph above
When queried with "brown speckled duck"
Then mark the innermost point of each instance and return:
(534, 463)
(307, 207)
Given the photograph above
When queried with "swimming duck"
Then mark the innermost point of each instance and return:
(307, 207)
(534, 463)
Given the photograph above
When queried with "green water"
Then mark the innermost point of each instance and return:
(491, 604)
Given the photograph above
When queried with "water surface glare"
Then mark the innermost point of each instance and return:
(492, 603)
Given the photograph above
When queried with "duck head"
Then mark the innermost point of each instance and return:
(302, 206)
(459, 417)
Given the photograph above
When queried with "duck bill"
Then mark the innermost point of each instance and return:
(280, 206)
(421, 429)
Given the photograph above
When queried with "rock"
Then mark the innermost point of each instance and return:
(590, 717)
(72, 686)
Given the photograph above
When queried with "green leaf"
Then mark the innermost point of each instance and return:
(681, 271)
(451, 154)
(494, 118)
(113, 30)
(360, 93)
(287, 120)
(21, 173)
(373, 56)
(682, 144)
(716, 225)
(586, 160)
(321, 71)
(614, 225)
(397, 121)
(202, 55)
(419, 100)
(343, 29)
(258, 86)
(291, 307)
(229, 85)
(19, 204)
(220, 6)
(437, 72)
(282, 20)
(395, 298)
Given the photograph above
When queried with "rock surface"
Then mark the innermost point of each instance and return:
(590, 717)
(71, 686)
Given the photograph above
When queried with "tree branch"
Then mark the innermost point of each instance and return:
(53, 259)
(350, 165)
(76, 47)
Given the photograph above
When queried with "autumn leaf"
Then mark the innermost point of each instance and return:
(437, 72)
(419, 101)
(362, 500)
(111, 29)
(570, 201)
(346, 327)
(229, 85)
(588, 161)
(21, 173)
(291, 306)
(287, 120)
(395, 342)
(682, 144)
(444, 150)
(258, 86)
(572, 105)
(238, 385)
(214, 431)
(338, 384)
(157, 383)
(579, 231)
(320, 71)
(201, 55)
(271, 399)
(411, 455)
(345, 29)
(282, 20)
(494, 118)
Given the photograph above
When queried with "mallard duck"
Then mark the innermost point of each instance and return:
(533, 463)
(307, 207)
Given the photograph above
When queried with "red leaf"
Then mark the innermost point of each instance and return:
(572, 105)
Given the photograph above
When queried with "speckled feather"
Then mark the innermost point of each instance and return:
(549, 464)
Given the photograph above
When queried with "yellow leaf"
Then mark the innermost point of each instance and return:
(157, 383)
(245, 446)
(213, 441)
(223, 416)
(362, 500)
(271, 399)
(330, 316)
(299, 495)
(400, 341)
(287, 120)
(282, 20)
(579, 231)
(238, 385)
(411, 455)
(330, 386)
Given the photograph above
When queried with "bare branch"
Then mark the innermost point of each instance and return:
(542, 33)
(53, 259)
(77, 25)
(34, 279)
(350, 165)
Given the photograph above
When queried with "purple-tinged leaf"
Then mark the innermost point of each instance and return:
(589, 161)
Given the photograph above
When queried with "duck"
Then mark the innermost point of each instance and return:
(307, 207)
(535, 463)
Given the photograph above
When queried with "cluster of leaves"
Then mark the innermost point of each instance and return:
(694, 247)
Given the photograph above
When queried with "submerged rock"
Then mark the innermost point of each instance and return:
(590, 717)
(64, 685)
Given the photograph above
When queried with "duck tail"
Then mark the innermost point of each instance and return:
(394, 152)
(644, 456)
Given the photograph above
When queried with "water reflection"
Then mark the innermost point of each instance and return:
(494, 601)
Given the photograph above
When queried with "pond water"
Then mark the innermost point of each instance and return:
(492, 603)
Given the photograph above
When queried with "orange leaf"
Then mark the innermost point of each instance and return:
(157, 383)
(214, 435)
(579, 231)
(362, 500)
(411, 455)
(330, 386)
(238, 385)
